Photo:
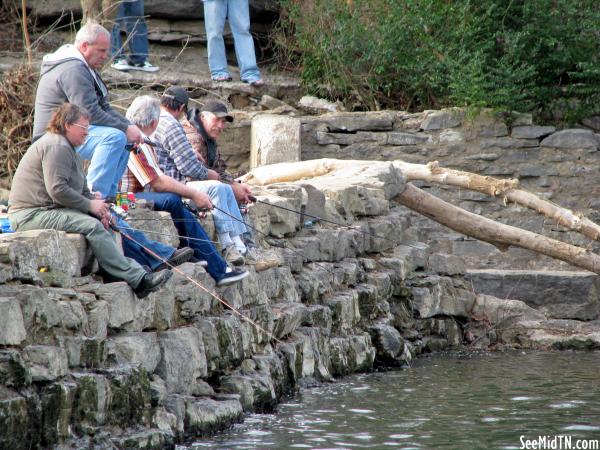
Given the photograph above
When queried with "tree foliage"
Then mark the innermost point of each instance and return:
(539, 56)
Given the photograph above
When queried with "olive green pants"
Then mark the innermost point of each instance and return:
(99, 238)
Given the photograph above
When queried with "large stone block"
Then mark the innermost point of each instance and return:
(45, 362)
(29, 251)
(183, 359)
(207, 415)
(447, 118)
(12, 328)
(138, 349)
(572, 139)
(15, 421)
(57, 401)
(256, 390)
(436, 296)
(560, 294)
(287, 317)
(345, 310)
(275, 139)
(14, 372)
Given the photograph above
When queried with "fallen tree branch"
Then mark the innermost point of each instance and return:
(493, 232)
(506, 189)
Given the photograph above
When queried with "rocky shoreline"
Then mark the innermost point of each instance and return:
(88, 365)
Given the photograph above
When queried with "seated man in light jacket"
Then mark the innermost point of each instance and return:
(71, 75)
(49, 191)
(147, 180)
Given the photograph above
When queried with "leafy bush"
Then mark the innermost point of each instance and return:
(525, 55)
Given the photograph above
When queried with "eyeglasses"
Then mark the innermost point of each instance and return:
(81, 126)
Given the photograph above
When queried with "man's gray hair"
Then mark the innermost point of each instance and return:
(89, 33)
(143, 111)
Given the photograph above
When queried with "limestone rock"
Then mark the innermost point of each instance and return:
(275, 139)
(287, 318)
(14, 419)
(183, 359)
(572, 139)
(446, 264)
(391, 348)
(447, 118)
(560, 294)
(353, 121)
(28, 251)
(398, 138)
(12, 328)
(438, 296)
(46, 363)
(592, 122)
(256, 390)
(316, 105)
(531, 132)
(13, 370)
(206, 415)
(140, 349)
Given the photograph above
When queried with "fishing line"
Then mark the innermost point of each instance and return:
(267, 236)
(212, 294)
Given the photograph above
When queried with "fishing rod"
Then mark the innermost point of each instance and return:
(293, 250)
(253, 199)
(120, 229)
(158, 233)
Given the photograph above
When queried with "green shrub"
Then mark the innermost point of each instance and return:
(524, 55)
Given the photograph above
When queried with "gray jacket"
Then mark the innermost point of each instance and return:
(66, 78)
(50, 175)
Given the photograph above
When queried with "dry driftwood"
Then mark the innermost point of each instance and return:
(505, 189)
(494, 232)
(456, 218)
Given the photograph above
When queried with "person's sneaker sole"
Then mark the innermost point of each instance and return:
(233, 278)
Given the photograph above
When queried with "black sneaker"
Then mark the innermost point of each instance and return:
(180, 256)
(152, 282)
(232, 276)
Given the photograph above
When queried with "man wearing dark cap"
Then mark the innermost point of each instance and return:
(178, 160)
(202, 128)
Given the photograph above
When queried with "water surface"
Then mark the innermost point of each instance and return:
(483, 401)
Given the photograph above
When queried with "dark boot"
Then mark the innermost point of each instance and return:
(152, 282)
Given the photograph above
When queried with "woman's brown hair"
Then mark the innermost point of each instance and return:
(66, 114)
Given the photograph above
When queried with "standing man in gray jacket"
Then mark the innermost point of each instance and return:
(71, 75)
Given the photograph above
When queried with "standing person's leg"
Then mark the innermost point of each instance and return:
(105, 148)
(116, 48)
(188, 225)
(100, 240)
(137, 31)
(239, 21)
(215, 13)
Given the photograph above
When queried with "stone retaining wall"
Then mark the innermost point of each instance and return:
(85, 364)
(562, 166)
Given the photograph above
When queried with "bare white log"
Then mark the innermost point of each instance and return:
(505, 189)
(493, 232)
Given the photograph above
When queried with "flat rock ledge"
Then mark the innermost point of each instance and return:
(85, 364)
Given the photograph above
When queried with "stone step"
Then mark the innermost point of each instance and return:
(558, 294)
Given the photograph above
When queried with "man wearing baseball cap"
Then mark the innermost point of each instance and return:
(179, 161)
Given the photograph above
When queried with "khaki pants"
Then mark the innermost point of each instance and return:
(100, 240)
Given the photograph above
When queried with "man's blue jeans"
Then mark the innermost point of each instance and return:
(237, 11)
(229, 220)
(105, 148)
(131, 14)
(135, 250)
(187, 225)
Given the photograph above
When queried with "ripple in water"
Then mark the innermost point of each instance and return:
(442, 402)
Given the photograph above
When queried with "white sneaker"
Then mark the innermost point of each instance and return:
(121, 64)
(145, 67)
